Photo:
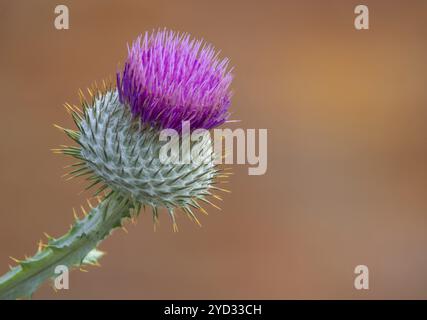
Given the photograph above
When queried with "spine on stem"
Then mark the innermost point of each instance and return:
(75, 249)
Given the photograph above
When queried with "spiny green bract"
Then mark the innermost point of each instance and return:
(121, 153)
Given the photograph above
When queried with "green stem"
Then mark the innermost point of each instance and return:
(74, 249)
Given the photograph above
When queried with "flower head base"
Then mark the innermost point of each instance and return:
(169, 78)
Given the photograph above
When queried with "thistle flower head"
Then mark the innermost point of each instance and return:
(169, 78)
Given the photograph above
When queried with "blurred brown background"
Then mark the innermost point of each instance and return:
(346, 181)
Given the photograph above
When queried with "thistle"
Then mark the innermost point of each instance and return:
(167, 78)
